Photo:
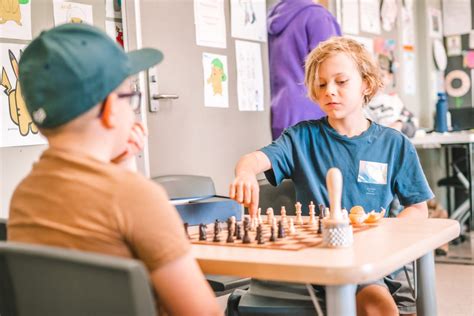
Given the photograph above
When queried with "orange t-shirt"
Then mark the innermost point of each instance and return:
(74, 201)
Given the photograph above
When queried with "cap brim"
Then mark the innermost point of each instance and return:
(143, 59)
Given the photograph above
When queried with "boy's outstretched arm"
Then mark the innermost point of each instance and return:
(244, 189)
(183, 290)
(418, 210)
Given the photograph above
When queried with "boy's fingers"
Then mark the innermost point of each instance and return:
(248, 193)
(239, 193)
(232, 191)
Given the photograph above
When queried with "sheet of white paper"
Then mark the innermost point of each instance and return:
(115, 31)
(370, 16)
(209, 19)
(456, 17)
(471, 41)
(453, 45)
(408, 27)
(249, 19)
(388, 13)
(409, 80)
(16, 20)
(72, 12)
(249, 76)
(16, 127)
(350, 17)
(436, 23)
(368, 42)
(112, 9)
(216, 80)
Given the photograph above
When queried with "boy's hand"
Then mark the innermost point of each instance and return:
(245, 190)
(135, 144)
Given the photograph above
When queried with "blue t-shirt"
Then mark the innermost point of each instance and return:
(375, 165)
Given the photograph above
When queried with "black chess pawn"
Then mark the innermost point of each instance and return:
(238, 231)
(320, 225)
(186, 225)
(246, 239)
(217, 230)
(281, 230)
(202, 232)
(272, 233)
(230, 231)
(260, 240)
(321, 210)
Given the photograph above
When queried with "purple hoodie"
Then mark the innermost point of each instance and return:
(295, 27)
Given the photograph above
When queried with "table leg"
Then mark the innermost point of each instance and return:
(426, 286)
(470, 177)
(340, 300)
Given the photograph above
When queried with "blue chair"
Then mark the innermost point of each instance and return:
(43, 280)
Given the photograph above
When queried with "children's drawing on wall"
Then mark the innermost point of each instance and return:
(248, 18)
(71, 12)
(249, 76)
(216, 87)
(115, 31)
(16, 125)
(113, 9)
(15, 19)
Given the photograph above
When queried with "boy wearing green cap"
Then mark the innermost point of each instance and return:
(82, 192)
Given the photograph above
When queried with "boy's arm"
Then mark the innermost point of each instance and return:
(418, 210)
(182, 289)
(244, 189)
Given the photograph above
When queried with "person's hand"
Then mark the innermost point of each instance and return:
(245, 190)
(135, 144)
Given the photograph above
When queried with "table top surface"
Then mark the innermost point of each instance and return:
(375, 253)
(437, 139)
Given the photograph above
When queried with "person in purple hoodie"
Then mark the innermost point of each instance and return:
(295, 27)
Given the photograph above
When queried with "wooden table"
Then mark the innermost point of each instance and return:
(375, 253)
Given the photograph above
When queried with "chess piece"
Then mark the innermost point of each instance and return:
(291, 228)
(246, 239)
(238, 231)
(253, 224)
(260, 240)
(311, 207)
(272, 233)
(337, 231)
(259, 216)
(320, 224)
(321, 210)
(186, 225)
(230, 230)
(246, 222)
(217, 230)
(299, 219)
(281, 230)
(202, 232)
(270, 215)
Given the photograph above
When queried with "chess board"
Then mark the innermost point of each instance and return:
(306, 236)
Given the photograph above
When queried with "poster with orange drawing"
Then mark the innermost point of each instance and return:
(16, 126)
(15, 19)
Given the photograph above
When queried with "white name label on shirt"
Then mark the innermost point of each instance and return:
(372, 172)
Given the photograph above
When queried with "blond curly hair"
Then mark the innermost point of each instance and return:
(366, 65)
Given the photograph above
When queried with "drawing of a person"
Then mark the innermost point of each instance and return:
(217, 76)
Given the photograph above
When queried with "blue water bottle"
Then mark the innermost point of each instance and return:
(441, 121)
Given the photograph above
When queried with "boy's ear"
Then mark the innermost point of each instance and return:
(108, 113)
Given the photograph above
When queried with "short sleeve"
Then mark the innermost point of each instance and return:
(151, 225)
(280, 153)
(320, 28)
(411, 185)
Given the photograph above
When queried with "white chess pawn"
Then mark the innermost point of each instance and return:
(253, 224)
(292, 229)
(312, 213)
(345, 215)
(299, 219)
(259, 216)
(270, 215)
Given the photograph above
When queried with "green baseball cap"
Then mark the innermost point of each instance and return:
(69, 69)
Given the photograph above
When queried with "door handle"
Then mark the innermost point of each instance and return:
(165, 97)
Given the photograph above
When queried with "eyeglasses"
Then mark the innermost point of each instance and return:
(135, 99)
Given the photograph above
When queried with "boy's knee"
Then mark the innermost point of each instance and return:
(375, 300)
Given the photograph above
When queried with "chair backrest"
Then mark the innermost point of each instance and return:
(186, 186)
(276, 197)
(42, 280)
(3, 229)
